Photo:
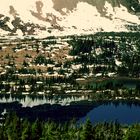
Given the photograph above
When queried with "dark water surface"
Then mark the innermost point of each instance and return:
(65, 108)
(123, 113)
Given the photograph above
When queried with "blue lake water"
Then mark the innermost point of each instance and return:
(122, 113)
(65, 108)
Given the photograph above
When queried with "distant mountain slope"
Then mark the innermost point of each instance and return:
(131, 5)
(56, 17)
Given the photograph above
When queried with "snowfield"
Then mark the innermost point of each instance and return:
(84, 19)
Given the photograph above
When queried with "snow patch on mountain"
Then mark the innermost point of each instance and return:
(24, 9)
(3, 33)
(85, 18)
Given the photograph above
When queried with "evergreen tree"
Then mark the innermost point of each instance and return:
(87, 132)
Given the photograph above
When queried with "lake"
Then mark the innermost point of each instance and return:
(61, 108)
(123, 113)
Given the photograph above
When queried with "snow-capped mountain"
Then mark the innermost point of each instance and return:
(61, 17)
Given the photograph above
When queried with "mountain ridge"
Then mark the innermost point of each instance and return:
(53, 17)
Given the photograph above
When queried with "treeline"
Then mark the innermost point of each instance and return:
(107, 52)
(103, 55)
(14, 128)
(14, 84)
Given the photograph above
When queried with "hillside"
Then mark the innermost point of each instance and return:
(64, 17)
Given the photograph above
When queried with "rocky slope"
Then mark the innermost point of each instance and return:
(62, 17)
